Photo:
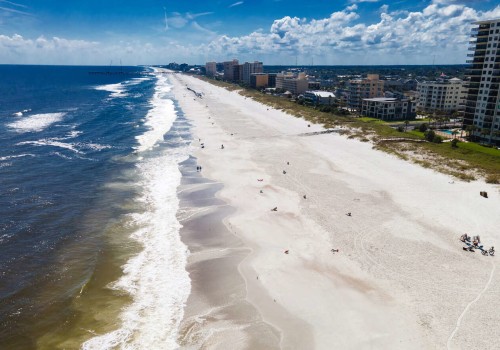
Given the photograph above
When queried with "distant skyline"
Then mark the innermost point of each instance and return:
(325, 32)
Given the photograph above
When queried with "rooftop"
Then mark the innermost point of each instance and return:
(321, 93)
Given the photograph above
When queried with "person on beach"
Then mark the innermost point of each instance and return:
(222, 147)
(349, 214)
(284, 172)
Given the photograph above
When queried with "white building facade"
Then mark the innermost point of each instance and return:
(388, 108)
(442, 95)
(482, 108)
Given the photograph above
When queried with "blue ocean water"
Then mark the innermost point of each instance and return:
(78, 153)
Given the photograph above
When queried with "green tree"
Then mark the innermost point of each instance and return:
(422, 127)
(437, 139)
(429, 135)
(454, 143)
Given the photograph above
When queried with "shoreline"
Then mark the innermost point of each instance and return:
(383, 288)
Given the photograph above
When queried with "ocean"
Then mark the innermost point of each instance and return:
(91, 255)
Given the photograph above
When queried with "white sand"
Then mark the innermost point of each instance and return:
(400, 280)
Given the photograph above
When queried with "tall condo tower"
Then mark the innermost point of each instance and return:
(482, 107)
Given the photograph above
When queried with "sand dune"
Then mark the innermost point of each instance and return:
(400, 280)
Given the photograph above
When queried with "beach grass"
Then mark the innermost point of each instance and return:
(460, 162)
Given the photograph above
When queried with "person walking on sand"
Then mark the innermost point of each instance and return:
(222, 147)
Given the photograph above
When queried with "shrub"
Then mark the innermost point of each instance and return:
(454, 143)
(493, 179)
(429, 135)
(422, 127)
(401, 128)
(437, 139)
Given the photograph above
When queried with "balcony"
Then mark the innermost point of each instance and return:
(471, 72)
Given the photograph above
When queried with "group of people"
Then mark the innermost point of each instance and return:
(473, 243)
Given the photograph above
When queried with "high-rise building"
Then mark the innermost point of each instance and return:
(237, 72)
(482, 107)
(211, 68)
(360, 89)
(250, 68)
(441, 95)
(229, 69)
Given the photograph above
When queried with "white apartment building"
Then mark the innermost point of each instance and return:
(441, 95)
(295, 84)
(482, 108)
(388, 108)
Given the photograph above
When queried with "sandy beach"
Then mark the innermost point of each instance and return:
(264, 279)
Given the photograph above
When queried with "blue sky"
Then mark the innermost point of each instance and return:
(273, 31)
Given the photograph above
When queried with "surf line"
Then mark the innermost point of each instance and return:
(469, 305)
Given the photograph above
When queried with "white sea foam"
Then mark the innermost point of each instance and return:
(159, 118)
(54, 142)
(74, 133)
(117, 90)
(17, 156)
(156, 278)
(36, 122)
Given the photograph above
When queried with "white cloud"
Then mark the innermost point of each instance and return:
(442, 28)
(17, 49)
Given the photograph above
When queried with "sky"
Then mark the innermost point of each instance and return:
(320, 32)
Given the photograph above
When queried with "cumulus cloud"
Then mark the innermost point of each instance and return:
(17, 49)
(442, 27)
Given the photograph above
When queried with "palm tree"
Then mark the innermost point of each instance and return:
(406, 124)
(454, 133)
(470, 129)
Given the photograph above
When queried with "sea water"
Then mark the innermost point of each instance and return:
(89, 166)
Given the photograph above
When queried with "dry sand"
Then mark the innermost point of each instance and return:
(401, 279)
